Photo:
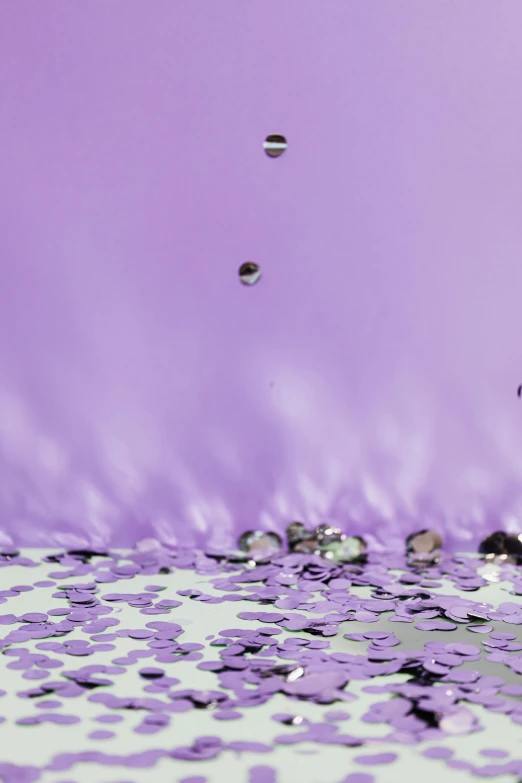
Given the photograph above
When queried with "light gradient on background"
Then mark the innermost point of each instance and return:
(369, 378)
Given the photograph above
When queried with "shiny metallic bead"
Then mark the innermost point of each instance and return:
(424, 542)
(259, 544)
(301, 540)
(345, 549)
(495, 544)
(502, 546)
(309, 546)
(424, 548)
(295, 532)
(327, 534)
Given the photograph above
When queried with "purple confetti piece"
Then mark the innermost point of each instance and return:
(435, 668)
(376, 758)
(438, 753)
(460, 648)
(513, 619)
(101, 734)
(435, 625)
(458, 764)
(227, 715)
(512, 689)
(34, 617)
(109, 718)
(140, 634)
(359, 777)
(262, 774)
(251, 747)
(337, 715)
(7, 619)
(366, 617)
(508, 607)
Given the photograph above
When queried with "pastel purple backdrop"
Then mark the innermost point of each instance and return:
(369, 379)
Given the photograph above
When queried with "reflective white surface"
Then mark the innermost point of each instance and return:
(304, 763)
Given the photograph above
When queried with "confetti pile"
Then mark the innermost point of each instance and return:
(373, 659)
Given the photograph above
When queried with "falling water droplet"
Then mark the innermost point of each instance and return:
(249, 273)
(274, 145)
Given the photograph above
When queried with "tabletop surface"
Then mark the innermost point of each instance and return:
(86, 626)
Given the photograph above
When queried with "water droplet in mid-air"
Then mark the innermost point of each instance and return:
(274, 145)
(249, 273)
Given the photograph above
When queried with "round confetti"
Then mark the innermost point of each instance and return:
(376, 758)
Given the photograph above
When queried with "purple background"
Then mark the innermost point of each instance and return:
(370, 378)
